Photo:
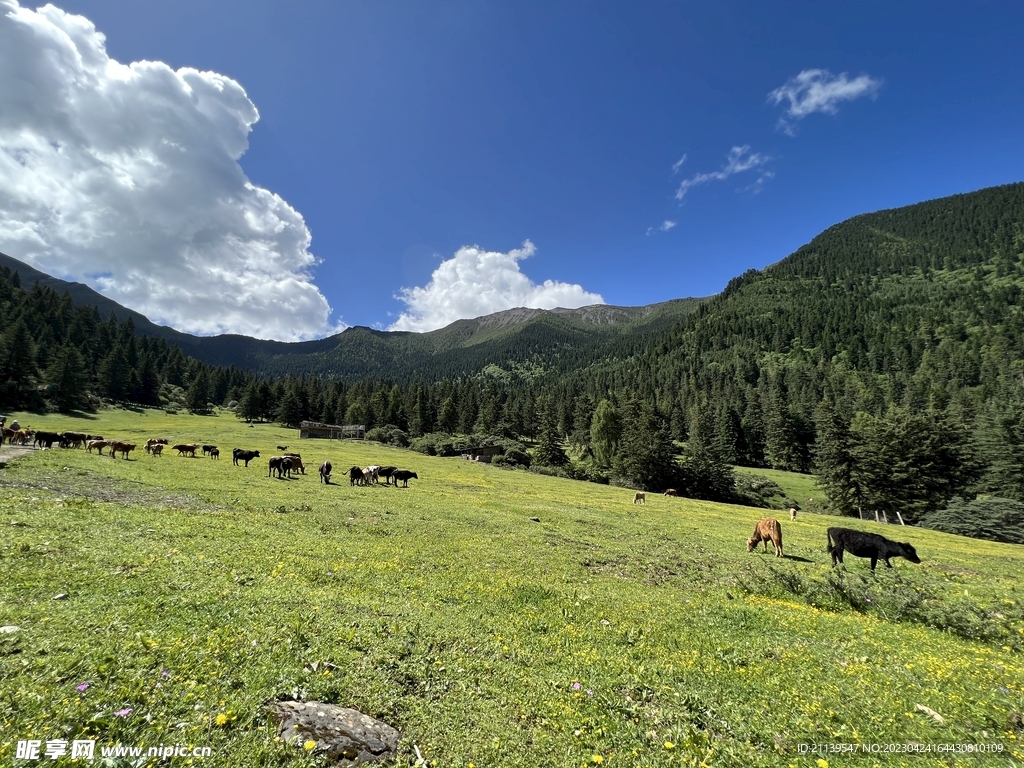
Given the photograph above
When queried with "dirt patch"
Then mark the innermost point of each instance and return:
(71, 484)
(10, 453)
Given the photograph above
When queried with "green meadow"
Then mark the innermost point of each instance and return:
(600, 632)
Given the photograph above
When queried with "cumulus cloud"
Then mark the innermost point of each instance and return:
(740, 159)
(126, 177)
(665, 226)
(818, 90)
(476, 282)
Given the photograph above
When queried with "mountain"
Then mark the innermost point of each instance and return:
(558, 340)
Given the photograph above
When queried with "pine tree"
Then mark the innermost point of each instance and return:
(549, 451)
(605, 432)
(646, 453)
(113, 374)
(67, 379)
(835, 467)
(198, 395)
(249, 406)
(706, 472)
(290, 412)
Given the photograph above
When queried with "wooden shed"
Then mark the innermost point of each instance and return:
(332, 431)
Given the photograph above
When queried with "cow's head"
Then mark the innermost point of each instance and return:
(751, 543)
(909, 552)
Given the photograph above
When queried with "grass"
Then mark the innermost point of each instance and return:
(803, 489)
(604, 633)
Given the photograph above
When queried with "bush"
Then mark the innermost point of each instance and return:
(994, 519)
(760, 491)
(389, 435)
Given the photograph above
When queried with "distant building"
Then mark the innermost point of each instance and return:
(332, 431)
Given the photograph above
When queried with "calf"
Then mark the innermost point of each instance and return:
(767, 530)
(325, 473)
(239, 454)
(404, 475)
(639, 497)
(214, 452)
(123, 448)
(157, 450)
(183, 448)
(871, 545)
(208, 449)
(296, 462)
(99, 445)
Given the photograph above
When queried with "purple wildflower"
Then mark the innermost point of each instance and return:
(165, 673)
(123, 712)
(576, 686)
(83, 687)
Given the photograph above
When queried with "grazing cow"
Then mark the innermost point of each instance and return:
(46, 439)
(296, 462)
(239, 454)
(370, 474)
(123, 448)
(183, 448)
(155, 441)
(99, 445)
(671, 492)
(386, 473)
(282, 447)
(404, 475)
(157, 450)
(325, 473)
(792, 513)
(639, 497)
(207, 449)
(871, 545)
(355, 476)
(767, 530)
(214, 453)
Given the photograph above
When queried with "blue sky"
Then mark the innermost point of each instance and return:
(403, 133)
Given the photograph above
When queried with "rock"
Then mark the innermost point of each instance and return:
(10, 629)
(61, 596)
(346, 736)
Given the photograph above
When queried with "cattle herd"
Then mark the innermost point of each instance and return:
(285, 466)
(871, 546)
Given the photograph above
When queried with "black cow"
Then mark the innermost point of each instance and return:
(354, 474)
(239, 454)
(325, 472)
(387, 473)
(47, 439)
(282, 464)
(871, 545)
(208, 449)
(214, 453)
(404, 474)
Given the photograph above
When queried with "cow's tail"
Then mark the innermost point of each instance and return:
(831, 544)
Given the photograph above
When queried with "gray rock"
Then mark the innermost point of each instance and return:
(346, 736)
(10, 629)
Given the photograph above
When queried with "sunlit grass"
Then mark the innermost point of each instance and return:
(642, 635)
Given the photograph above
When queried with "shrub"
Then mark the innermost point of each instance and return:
(389, 435)
(760, 491)
(993, 519)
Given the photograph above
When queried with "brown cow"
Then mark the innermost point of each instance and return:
(792, 513)
(296, 462)
(124, 449)
(671, 492)
(767, 530)
(99, 445)
(183, 448)
(157, 450)
(639, 497)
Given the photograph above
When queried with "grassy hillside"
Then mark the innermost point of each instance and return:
(606, 633)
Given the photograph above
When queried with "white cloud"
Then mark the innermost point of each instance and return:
(740, 159)
(475, 282)
(678, 164)
(126, 177)
(665, 226)
(818, 90)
